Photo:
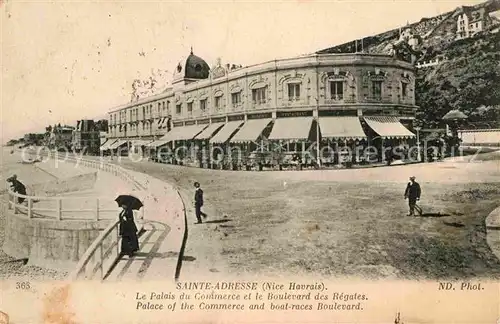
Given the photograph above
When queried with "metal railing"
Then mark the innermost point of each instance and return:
(104, 252)
(101, 256)
(54, 207)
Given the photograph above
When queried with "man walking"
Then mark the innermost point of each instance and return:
(412, 192)
(198, 203)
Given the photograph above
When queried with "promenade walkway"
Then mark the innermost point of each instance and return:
(162, 237)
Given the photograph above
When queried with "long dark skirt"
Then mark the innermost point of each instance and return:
(130, 244)
(130, 241)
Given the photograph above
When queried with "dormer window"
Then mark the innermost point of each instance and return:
(197, 68)
(179, 68)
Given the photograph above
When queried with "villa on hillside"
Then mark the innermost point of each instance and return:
(472, 20)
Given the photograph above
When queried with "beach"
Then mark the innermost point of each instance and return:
(11, 268)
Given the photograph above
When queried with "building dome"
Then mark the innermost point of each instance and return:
(193, 67)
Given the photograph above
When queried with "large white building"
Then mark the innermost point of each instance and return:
(356, 98)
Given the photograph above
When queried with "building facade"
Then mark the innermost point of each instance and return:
(331, 97)
(61, 137)
(471, 21)
(86, 136)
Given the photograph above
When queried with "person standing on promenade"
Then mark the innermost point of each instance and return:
(198, 203)
(412, 192)
(128, 232)
(17, 186)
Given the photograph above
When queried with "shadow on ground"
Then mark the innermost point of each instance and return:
(434, 215)
(217, 221)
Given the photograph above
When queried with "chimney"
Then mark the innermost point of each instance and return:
(233, 67)
(227, 66)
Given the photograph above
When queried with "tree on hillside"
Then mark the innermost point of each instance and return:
(467, 81)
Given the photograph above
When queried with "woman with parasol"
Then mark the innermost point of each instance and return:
(128, 229)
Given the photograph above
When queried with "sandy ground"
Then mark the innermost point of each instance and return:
(341, 223)
(26, 173)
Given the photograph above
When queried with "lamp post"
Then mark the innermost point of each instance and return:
(318, 159)
(419, 157)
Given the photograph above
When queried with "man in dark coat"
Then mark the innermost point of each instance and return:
(412, 192)
(198, 203)
(17, 187)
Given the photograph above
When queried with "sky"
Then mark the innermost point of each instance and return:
(63, 61)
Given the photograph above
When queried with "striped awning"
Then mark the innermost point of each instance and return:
(157, 143)
(209, 131)
(139, 142)
(292, 128)
(342, 127)
(162, 123)
(117, 144)
(225, 132)
(250, 131)
(184, 132)
(388, 127)
(105, 145)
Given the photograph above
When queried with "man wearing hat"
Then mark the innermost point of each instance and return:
(198, 203)
(412, 192)
(17, 187)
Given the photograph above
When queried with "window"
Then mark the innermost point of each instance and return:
(259, 95)
(404, 89)
(159, 108)
(143, 113)
(203, 104)
(218, 102)
(163, 108)
(337, 90)
(190, 107)
(236, 98)
(293, 91)
(377, 90)
(178, 109)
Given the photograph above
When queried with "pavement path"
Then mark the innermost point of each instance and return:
(162, 237)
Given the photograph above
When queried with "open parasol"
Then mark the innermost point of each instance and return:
(133, 202)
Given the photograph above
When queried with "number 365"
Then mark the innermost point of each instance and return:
(25, 285)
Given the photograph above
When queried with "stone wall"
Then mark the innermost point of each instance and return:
(49, 243)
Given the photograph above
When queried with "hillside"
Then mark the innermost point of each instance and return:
(469, 80)
(462, 47)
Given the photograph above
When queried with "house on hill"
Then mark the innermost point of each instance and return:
(471, 20)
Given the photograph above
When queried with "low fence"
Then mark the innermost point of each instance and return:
(101, 256)
(480, 137)
(104, 252)
(56, 207)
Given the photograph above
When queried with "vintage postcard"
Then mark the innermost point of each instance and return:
(250, 162)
